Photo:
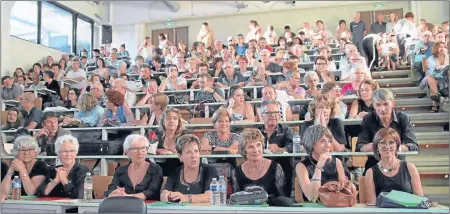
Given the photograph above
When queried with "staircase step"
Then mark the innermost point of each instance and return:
(430, 128)
(433, 136)
(390, 74)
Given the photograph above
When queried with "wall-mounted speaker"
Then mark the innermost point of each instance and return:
(106, 34)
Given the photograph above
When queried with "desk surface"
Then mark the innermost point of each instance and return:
(358, 208)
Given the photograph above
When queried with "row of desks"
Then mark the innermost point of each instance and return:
(46, 205)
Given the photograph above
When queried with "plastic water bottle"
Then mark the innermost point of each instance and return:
(88, 185)
(16, 191)
(214, 188)
(296, 143)
(222, 191)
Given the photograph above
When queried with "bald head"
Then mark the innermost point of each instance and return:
(120, 85)
(357, 16)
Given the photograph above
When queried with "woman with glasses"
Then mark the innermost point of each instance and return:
(31, 172)
(390, 173)
(140, 178)
(191, 181)
(67, 179)
(363, 105)
(321, 67)
(72, 97)
(319, 167)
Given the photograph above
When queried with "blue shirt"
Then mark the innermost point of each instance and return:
(241, 49)
(92, 117)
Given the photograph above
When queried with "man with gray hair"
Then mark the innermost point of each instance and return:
(385, 116)
(120, 85)
(97, 91)
(270, 66)
(278, 138)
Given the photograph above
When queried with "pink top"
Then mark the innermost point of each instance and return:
(348, 88)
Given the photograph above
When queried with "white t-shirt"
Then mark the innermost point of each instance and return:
(387, 47)
(80, 73)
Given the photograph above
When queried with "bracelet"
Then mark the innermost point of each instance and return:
(315, 179)
(318, 167)
(10, 173)
(190, 198)
(51, 181)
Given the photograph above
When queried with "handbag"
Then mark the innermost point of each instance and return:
(384, 201)
(335, 194)
(252, 195)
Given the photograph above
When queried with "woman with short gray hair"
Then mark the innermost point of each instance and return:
(319, 167)
(311, 81)
(66, 180)
(189, 182)
(31, 172)
(140, 178)
(257, 170)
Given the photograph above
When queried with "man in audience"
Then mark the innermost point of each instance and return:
(136, 67)
(31, 114)
(50, 131)
(270, 66)
(262, 43)
(208, 93)
(277, 138)
(287, 30)
(156, 64)
(309, 33)
(36, 79)
(240, 46)
(113, 61)
(378, 27)
(83, 62)
(302, 37)
(321, 28)
(358, 29)
(385, 116)
(218, 47)
(38, 69)
(445, 27)
(97, 91)
(120, 85)
(229, 77)
(77, 74)
(10, 90)
(147, 75)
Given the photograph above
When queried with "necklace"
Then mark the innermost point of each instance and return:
(387, 169)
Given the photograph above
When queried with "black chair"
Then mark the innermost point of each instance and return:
(122, 204)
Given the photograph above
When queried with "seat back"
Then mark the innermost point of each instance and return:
(298, 191)
(38, 103)
(64, 92)
(122, 204)
(358, 161)
(362, 190)
(4, 117)
(100, 185)
(164, 182)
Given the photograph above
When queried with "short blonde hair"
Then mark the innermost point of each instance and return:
(317, 99)
(249, 135)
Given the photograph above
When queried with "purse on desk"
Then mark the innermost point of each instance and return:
(398, 199)
(252, 195)
(335, 194)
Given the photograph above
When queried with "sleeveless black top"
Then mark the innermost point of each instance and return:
(362, 106)
(329, 173)
(400, 182)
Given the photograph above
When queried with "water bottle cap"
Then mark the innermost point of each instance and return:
(16, 176)
(88, 174)
(221, 176)
(214, 179)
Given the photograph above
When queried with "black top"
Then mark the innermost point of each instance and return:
(282, 136)
(35, 115)
(150, 185)
(68, 104)
(273, 181)
(170, 163)
(74, 189)
(400, 182)
(176, 183)
(363, 107)
(401, 123)
(54, 86)
(334, 125)
(39, 168)
(5, 168)
(329, 172)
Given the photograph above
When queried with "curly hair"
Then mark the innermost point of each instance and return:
(317, 99)
(115, 97)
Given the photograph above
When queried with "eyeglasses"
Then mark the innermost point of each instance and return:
(386, 144)
(272, 113)
(67, 151)
(23, 151)
(321, 64)
(137, 149)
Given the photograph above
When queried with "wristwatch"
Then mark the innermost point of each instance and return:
(190, 198)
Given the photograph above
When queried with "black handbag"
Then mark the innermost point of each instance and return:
(252, 195)
(96, 147)
(385, 202)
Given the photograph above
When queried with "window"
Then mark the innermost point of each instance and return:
(84, 36)
(56, 28)
(24, 19)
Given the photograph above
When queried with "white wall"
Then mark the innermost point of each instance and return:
(225, 26)
(16, 52)
(434, 12)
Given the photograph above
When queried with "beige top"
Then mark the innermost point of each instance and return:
(207, 39)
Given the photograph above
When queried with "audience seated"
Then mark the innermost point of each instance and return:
(363, 105)
(88, 115)
(72, 98)
(311, 82)
(67, 179)
(14, 119)
(385, 116)
(270, 93)
(116, 113)
(77, 74)
(31, 114)
(358, 74)
(437, 69)
(120, 85)
(191, 181)
(229, 77)
(157, 104)
(390, 173)
(322, 108)
(322, 70)
(10, 90)
(32, 172)
(221, 139)
(239, 109)
(140, 178)
(257, 170)
(97, 91)
(319, 167)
